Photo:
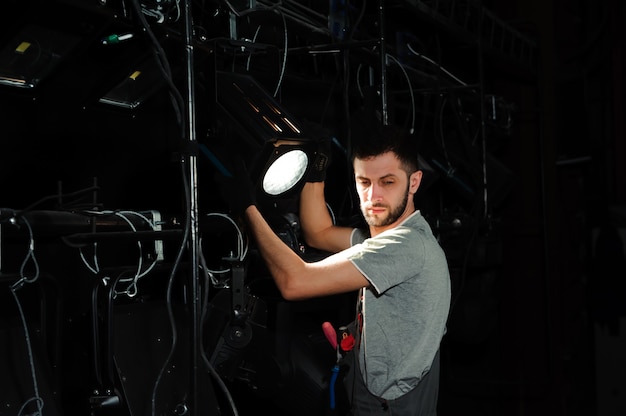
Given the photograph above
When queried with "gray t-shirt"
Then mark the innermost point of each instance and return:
(406, 308)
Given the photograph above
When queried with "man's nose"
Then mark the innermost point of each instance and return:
(375, 193)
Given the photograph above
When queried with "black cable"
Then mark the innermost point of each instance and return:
(170, 311)
(46, 199)
(161, 58)
(96, 334)
(36, 397)
(205, 359)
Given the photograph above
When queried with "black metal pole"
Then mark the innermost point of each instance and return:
(383, 62)
(193, 211)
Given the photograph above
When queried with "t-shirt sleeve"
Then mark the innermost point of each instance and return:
(389, 258)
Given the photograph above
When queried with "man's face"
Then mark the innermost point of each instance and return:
(383, 188)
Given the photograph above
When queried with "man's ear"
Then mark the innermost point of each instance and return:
(415, 180)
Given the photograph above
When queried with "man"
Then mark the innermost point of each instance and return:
(396, 264)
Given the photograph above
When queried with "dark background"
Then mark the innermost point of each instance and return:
(517, 108)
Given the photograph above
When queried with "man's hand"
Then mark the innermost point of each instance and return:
(317, 172)
(237, 189)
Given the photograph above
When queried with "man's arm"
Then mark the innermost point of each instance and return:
(295, 278)
(317, 225)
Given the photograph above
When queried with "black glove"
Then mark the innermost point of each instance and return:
(323, 153)
(237, 189)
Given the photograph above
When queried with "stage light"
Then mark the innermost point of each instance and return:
(143, 79)
(33, 54)
(285, 172)
(276, 148)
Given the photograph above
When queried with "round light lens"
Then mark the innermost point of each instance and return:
(285, 172)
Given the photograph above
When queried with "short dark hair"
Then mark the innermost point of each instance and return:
(374, 138)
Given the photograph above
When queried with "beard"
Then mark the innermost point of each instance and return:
(392, 216)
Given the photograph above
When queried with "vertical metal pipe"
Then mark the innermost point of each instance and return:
(383, 62)
(193, 210)
(483, 115)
